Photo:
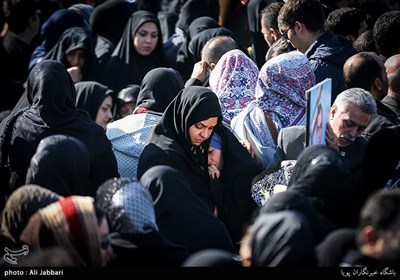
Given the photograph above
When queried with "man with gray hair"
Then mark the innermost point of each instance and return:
(350, 113)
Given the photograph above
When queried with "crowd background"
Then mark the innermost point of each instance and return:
(171, 133)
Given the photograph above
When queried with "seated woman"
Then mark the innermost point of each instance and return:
(126, 101)
(231, 170)
(139, 50)
(234, 80)
(136, 239)
(97, 100)
(129, 135)
(52, 111)
(182, 136)
(280, 102)
(52, 29)
(181, 216)
(61, 164)
(74, 224)
(75, 49)
(20, 206)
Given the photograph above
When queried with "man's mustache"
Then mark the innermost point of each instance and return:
(348, 138)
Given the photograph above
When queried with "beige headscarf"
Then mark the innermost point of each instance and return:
(73, 225)
(20, 206)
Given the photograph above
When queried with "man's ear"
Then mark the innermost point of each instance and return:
(275, 34)
(377, 84)
(332, 112)
(369, 236)
(212, 66)
(298, 27)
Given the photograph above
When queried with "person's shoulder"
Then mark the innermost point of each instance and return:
(331, 48)
(294, 130)
(291, 140)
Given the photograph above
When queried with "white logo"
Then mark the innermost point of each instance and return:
(9, 256)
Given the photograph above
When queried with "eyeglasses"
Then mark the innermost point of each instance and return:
(284, 33)
(105, 241)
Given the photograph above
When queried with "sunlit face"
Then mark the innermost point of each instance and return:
(201, 131)
(127, 109)
(266, 33)
(106, 249)
(146, 38)
(348, 125)
(104, 114)
(215, 157)
(76, 58)
(297, 36)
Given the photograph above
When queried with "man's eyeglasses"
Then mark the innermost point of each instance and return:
(284, 33)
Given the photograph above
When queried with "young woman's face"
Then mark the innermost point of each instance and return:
(104, 114)
(201, 131)
(76, 58)
(146, 38)
(127, 109)
(215, 157)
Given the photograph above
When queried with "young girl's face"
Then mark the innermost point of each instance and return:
(76, 58)
(215, 157)
(127, 109)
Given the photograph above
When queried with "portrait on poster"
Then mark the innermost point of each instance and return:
(318, 108)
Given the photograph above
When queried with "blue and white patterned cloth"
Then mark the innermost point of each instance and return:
(128, 137)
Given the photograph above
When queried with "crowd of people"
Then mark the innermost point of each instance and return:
(161, 133)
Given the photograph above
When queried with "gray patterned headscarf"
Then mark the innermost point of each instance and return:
(129, 206)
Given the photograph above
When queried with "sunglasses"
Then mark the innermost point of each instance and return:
(105, 241)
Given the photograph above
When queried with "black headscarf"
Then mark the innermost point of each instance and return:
(72, 39)
(52, 112)
(109, 19)
(61, 164)
(159, 87)
(90, 96)
(282, 239)
(180, 214)
(234, 202)
(125, 65)
(200, 39)
(320, 175)
(193, 9)
(184, 59)
(52, 29)
(170, 143)
(136, 239)
(212, 258)
(296, 201)
(334, 247)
